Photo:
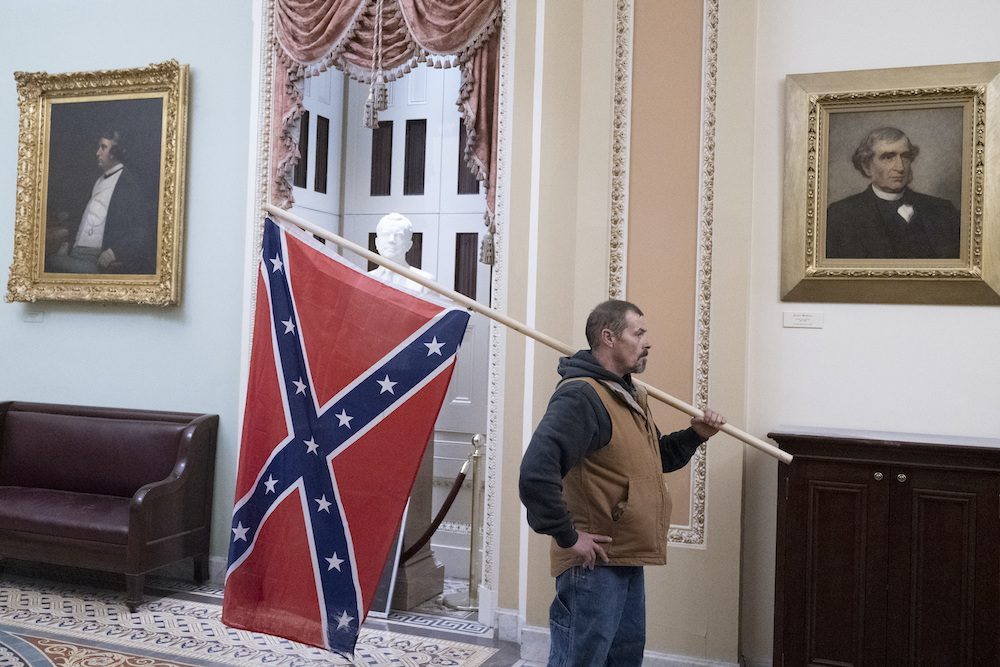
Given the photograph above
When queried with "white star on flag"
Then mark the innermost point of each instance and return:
(311, 446)
(344, 621)
(269, 483)
(387, 385)
(289, 325)
(300, 386)
(434, 347)
(240, 532)
(277, 264)
(324, 504)
(345, 420)
(334, 562)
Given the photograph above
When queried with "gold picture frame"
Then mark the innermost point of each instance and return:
(841, 243)
(86, 231)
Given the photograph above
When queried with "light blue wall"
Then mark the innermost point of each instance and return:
(184, 358)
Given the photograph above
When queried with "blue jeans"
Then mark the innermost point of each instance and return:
(598, 618)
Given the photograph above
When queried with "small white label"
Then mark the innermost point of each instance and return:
(798, 320)
(31, 314)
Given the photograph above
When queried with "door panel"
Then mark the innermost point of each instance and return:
(836, 568)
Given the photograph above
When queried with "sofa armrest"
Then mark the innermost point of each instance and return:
(182, 501)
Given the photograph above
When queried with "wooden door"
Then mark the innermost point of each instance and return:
(943, 574)
(834, 573)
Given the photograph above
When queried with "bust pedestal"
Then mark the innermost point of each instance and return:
(421, 577)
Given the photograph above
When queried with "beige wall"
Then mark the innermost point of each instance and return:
(555, 236)
(556, 265)
(663, 203)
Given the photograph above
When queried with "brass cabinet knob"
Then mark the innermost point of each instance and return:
(878, 477)
(901, 477)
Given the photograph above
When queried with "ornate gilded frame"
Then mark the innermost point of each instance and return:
(151, 102)
(959, 102)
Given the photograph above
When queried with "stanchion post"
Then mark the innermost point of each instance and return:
(475, 542)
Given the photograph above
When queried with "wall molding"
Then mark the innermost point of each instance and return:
(692, 534)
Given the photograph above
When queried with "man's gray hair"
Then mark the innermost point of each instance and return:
(608, 315)
(865, 151)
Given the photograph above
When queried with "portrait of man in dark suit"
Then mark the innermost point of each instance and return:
(888, 219)
(102, 204)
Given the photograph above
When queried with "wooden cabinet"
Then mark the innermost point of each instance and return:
(887, 550)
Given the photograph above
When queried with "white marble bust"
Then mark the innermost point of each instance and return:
(393, 237)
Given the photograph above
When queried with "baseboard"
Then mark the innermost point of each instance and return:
(508, 625)
(183, 570)
(535, 644)
(535, 648)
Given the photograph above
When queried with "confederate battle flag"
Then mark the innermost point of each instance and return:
(347, 376)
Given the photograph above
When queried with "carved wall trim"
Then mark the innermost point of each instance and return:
(618, 241)
(498, 300)
(693, 534)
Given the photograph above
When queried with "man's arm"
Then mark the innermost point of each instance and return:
(677, 448)
(574, 424)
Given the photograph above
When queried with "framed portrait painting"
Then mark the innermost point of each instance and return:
(100, 185)
(889, 195)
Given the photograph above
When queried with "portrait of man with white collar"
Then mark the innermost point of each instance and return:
(889, 220)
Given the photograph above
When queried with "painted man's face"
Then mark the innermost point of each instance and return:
(104, 158)
(891, 167)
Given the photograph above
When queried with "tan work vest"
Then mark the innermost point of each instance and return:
(619, 490)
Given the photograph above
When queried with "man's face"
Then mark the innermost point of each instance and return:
(891, 167)
(104, 159)
(631, 347)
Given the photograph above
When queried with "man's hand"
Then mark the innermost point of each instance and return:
(709, 424)
(589, 546)
(106, 259)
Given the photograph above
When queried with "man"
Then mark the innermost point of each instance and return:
(592, 478)
(888, 219)
(118, 231)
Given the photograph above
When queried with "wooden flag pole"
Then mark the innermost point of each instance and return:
(474, 305)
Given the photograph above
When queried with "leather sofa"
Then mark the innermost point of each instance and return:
(109, 489)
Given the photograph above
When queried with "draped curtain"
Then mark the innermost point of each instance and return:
(313, 35)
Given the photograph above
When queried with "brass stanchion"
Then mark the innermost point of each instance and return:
(470, 601)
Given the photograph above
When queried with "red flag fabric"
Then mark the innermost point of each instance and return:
(347, 376)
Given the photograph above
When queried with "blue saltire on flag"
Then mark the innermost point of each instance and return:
(347, 376)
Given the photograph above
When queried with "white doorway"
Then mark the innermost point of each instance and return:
(350, 176)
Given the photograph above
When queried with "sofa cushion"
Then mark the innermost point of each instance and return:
(82, 516)
(97, 455)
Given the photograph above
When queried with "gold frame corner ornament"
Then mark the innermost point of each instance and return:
(118, 91)
(812, 101)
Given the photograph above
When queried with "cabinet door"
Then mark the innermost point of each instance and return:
(943, 577)
(836, 542)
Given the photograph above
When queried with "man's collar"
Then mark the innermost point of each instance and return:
(114, 170)
(887, 196)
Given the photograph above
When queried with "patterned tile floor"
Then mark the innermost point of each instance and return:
(78, 619)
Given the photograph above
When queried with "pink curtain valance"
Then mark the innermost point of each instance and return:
(314, 35)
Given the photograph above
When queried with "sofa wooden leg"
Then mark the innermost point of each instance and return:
(201, 568)
(134, 584)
